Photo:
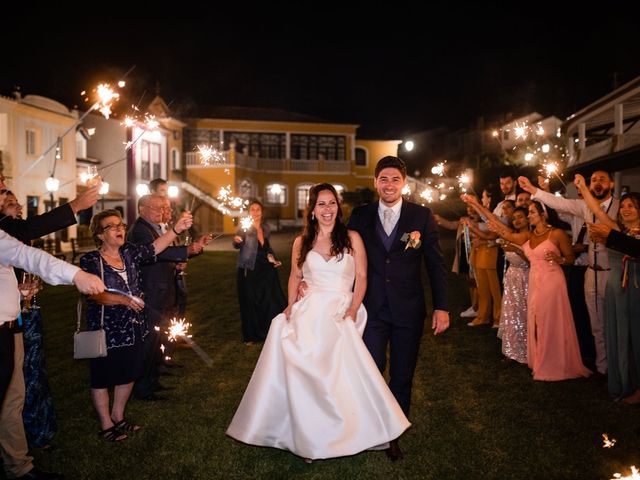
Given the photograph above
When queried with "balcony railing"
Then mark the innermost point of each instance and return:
(193, 160)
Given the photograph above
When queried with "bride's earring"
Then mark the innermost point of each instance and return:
(313, 217)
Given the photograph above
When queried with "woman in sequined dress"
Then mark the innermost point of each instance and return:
(512, 329)
(513, 318)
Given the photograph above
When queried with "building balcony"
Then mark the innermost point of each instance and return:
(279, 165)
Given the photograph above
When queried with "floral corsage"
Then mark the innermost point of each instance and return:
(412, 239)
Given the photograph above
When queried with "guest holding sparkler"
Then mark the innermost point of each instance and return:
(601, 187)
(621, 306)
(513, 315)
(485, 264)
(552, 345)
(158, 286)
(259, 292)
(119, 264)
(463, 260)
(37, 413)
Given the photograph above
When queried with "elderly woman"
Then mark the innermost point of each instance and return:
(118, 263)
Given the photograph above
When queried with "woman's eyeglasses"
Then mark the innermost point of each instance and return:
(117, 226)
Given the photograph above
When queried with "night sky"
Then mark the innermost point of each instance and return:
(402, 71)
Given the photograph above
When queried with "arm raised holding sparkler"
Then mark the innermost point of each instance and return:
(592, 203)
(561, 204)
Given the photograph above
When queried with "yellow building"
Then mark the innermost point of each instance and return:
(276, 160)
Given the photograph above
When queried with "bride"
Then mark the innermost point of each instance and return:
(315, 390)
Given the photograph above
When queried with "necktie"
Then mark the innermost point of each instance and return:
(387, 220)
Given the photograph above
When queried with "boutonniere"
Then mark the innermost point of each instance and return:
(412, 239)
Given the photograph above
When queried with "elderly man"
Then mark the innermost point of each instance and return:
(601, 187)
(158, 285)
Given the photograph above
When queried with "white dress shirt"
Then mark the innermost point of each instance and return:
(579, 208)
(14, 253)
(395, 209)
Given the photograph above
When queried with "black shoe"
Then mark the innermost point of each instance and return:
(152, 397)
(36, 474)
(393, 452)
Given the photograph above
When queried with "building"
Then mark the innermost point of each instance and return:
(35, 145)
(606, 135)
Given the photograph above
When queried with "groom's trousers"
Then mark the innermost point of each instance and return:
(403, 337)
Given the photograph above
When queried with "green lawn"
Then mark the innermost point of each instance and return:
(474, 416)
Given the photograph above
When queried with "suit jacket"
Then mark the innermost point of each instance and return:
(158, 282)
(35, 227)
(624, 243)
(396, 274)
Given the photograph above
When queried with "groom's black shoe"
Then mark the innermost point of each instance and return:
(393, 452)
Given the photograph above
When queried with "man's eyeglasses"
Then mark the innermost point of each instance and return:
(117, 226)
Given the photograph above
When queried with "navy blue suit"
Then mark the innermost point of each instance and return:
(158, 285)
(395, 297)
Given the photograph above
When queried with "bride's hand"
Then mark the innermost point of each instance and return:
(351, 313)
(287, 312)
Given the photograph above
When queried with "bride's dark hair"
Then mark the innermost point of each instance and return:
(340, 240)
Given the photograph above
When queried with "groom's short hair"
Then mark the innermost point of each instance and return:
(391, 162)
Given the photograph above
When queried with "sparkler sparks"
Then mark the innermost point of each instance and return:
(608, 443)
(551, 168)
(246, 223)
(230, 202)
(210, 155)
(635, 475)
(178, 329)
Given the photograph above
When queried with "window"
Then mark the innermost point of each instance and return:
(175, 159)
(32, 206)
(361, 157)
(302, 199)
(312, 147)
(276, 194)
(263, 145)
(246, 189)
(155, 160)
(81, 146)
(31, 142)
(145, 171)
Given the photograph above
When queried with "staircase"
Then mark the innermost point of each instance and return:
(209, 200)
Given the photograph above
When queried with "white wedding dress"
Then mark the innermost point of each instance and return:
(315, 390)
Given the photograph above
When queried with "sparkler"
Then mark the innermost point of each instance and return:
(178, 329)
(246, 223)
(635, 475)
(608, 443)
(551, 168)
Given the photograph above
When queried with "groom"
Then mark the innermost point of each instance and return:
(397, 235)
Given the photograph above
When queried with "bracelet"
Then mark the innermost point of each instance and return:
(174, 230)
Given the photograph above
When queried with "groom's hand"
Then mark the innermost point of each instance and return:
(439, 321)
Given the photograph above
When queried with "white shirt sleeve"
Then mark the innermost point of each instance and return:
(52, 270)
(561, 204)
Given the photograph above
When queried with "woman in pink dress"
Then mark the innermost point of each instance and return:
(552, 345)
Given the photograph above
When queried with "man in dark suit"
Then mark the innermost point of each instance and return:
(158, 286)
(398, 235)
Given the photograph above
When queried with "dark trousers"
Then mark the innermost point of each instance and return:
(148, 382)
(6, 360)
(404, 342)
(575, 287)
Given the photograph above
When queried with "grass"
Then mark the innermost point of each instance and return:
(473, 415)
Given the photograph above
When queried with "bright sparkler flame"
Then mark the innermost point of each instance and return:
(406, 190)
(178, 328)
(635, 475)
(230, 201)
(106, 96)
(427, 194)
(438, 169)
(520, 131)
(210, 155)
(246, 223)
(607, 443)
(550, 168)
